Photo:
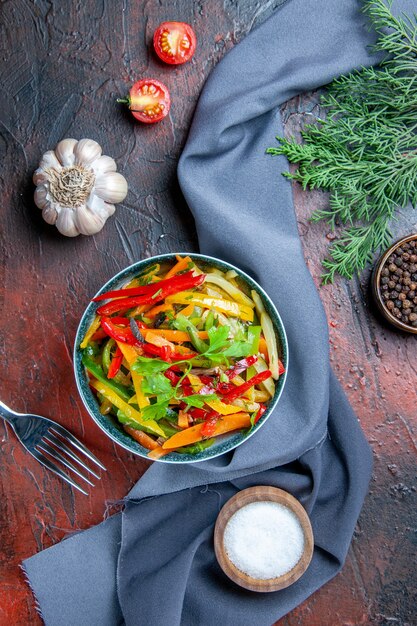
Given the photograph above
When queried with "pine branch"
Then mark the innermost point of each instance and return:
(365, 151)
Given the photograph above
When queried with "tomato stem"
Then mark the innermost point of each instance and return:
(123, 100)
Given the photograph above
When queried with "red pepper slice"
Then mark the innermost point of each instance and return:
(261, 411)
(158, 293)
(196, 413)
(124, 335)
(99, 335)
(241, 366)
(224, 388)
(209, 427)
(238, 391)
(281, 368)
(165, 353)
(172, 377)
(121, 321)
(145, 289)
(205, 379)
(115, 364)
(162, 352)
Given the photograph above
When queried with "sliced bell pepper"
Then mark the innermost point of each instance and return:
(160, 308)
(172, 377)
(127, 409)
(158, 340)
(187, 311)
(94, 326)
(209, 427)
(141, 290)
(131, 354)
(255, 380)
(141, 437)
(97, 371)
(222, 408)
(259, 414)
(228, 307)
(181, 264)
(172, 335)
(159, 292)
(254, 335)
(263, 348)
(115, 363)
(166, 354)
(183, 419)
(123, 335)
(99, 335)
(224, 424)
(157, 453)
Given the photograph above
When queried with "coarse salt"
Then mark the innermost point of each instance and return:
(264, 539)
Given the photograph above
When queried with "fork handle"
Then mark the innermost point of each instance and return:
(7, 414)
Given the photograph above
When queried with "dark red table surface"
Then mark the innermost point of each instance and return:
(62, 66)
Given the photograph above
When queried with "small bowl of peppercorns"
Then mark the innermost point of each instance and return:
(394, 284)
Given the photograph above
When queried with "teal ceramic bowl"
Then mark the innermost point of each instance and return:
(111, 426)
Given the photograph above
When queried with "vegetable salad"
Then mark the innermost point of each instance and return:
(180, 356)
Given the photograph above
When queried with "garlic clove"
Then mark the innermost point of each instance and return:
(65, 151)
(49, 160)
(110, 208)
(88, 222)
(97, 205)
(49, 214)
(86, 151)
(103, 164)
(41, 196)
(112, 187)
(40, 176)
(65, 222)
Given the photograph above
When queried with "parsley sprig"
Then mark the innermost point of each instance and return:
(365, 151)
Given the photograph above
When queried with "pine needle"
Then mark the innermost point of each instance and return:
(365, 151)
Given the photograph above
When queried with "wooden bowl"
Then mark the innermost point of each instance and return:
(262, 494)
(376, 281)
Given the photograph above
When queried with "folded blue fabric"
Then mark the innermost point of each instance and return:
(154, 564)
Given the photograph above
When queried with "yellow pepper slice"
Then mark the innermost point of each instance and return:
(195, 382)
(95, 325)
(127, 409)
(131, 354)
(234, 309)
(222, 408)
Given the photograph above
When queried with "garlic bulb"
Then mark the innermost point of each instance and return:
(77, 186)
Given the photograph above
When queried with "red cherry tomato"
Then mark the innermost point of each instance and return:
(149, 100)
(174, 42)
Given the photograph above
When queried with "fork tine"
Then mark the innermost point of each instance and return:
(51, 438)
(60, 430)
(54, 468)
(55, 454)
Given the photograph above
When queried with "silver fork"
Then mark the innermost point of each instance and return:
(47, 440)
